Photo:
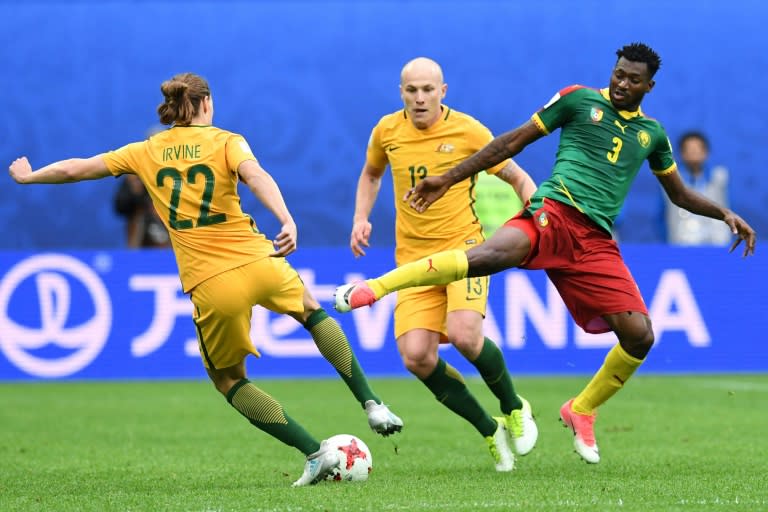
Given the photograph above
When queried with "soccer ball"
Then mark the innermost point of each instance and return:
(355, 460)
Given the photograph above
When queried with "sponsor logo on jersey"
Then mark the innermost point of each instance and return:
(471, 241)
(392, 148)
(445, 148)
(622, 127)
(644, 138)
(595, 114)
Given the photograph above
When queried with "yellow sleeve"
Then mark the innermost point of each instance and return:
(124, 160)
(238, 151)
(478, 136)
(375, 154)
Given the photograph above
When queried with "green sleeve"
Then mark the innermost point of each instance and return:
(661, 159)
(560, 108)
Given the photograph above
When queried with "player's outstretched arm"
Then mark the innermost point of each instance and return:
(264, 187)
(63, 171)
(506, 145)
(690, 200)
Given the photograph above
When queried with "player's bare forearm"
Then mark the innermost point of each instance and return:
(63, 171)
(700, 205)
(520, 180)
(499, 149)
(368, 187)
(494, 152)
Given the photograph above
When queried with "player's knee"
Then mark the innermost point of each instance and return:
(638, 340)
(469, 344)
(223, 386)
(223, 383)
(419, 365)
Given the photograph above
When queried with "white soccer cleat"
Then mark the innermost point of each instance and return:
(522, 428)
(498, 445)
(319, 465)
(352, 296)
(381, 419)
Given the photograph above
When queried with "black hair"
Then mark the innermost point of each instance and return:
(693, 135)
(639, 52)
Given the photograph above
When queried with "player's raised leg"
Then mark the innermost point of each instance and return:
(440, 268)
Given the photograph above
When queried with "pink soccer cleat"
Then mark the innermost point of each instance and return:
(583, 432)
(352, 296)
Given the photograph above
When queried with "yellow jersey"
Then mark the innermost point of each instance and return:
(412, 155)
(191, 175)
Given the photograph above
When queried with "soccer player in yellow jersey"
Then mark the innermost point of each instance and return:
(427, 138)
(227, 266)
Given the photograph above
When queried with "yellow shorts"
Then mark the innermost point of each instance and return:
(223, 305)
(426, 307)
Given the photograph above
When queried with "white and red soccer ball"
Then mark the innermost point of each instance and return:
(355, 460)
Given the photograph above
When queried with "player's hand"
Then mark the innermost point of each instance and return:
(20, 170)
(285, 242)
(743, 231)
(426, 192)
(361, 233)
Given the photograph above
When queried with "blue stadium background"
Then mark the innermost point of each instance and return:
(305, 81)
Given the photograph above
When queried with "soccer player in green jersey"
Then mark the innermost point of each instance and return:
(565, 228)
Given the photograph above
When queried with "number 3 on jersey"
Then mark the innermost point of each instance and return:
(613, 154)
(204, 218)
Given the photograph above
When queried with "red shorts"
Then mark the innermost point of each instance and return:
(582, 261)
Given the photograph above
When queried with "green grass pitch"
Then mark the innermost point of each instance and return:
(687, 443)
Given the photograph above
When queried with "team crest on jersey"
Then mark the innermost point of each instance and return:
(644, 138)
(445, 148)
(543, 219)
(595, 114)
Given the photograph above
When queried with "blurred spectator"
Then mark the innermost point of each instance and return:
(143, 226)
(683, 227)
(496, 202)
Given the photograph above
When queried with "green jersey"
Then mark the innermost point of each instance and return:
(600, 152)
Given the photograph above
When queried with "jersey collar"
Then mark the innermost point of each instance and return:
(626, 114)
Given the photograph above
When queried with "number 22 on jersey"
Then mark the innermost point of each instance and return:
(204, 217)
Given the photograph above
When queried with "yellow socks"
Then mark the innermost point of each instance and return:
(440, 268)
(616, 370)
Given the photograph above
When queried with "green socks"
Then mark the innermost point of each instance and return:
(266, 413)
(493, 370)
(448, 387)
(334, 346)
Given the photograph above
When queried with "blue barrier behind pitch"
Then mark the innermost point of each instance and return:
(121, 314)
